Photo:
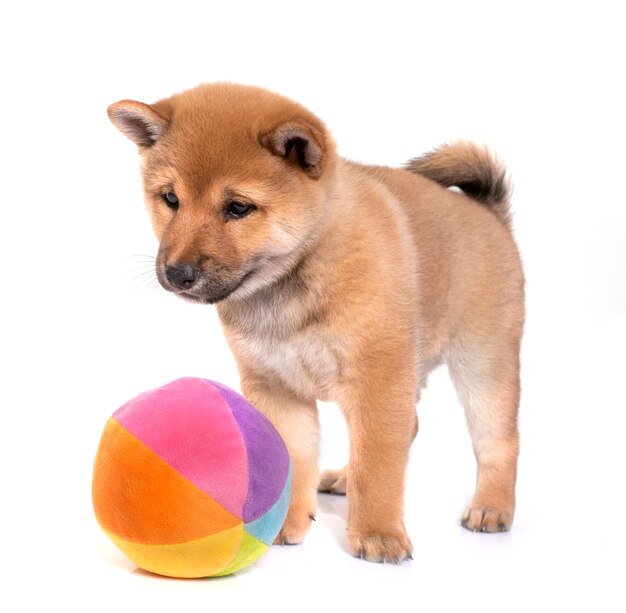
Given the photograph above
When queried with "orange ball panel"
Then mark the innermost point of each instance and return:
(139, 497)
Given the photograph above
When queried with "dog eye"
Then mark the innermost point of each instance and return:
(171, 200)
(237, 210)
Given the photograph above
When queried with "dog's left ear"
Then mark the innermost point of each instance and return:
(299, 144)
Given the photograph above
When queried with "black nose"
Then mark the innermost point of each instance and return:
(182, 277)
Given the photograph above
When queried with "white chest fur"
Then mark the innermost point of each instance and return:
(308, 362)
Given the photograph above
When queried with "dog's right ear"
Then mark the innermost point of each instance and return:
(138, 121)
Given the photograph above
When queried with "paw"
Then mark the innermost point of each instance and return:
(333, 481)
(390, 548)
(295, 527)
(487, 519)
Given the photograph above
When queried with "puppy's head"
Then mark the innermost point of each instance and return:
(236, 181)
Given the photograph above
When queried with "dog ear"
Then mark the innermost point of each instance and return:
(299, 144)
(138, 121)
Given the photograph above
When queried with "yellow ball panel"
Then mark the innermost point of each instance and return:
(251, 550)
(199, 558)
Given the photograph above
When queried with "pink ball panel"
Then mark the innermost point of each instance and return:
(190, 426)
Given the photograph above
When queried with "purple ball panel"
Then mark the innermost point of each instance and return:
(268, 460)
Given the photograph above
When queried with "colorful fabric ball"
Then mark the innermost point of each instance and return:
(190, 480)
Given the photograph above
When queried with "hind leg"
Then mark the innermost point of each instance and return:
(487, 382)
(334, 481)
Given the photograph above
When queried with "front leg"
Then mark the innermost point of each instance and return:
(382, 423)
(297, 422)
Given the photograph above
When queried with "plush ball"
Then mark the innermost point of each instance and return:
(190, 480)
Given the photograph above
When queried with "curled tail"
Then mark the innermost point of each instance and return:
(473, 169)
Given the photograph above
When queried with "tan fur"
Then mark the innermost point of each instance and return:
(346, 283)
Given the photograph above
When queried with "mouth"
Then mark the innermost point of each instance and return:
(207, 292)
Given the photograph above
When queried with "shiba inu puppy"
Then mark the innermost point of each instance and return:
(344, 282)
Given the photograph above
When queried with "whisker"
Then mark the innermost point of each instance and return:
(146, 275)
(141, 258)
(148, 284)
(141, 272)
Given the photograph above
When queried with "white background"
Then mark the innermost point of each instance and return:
(85, 326)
